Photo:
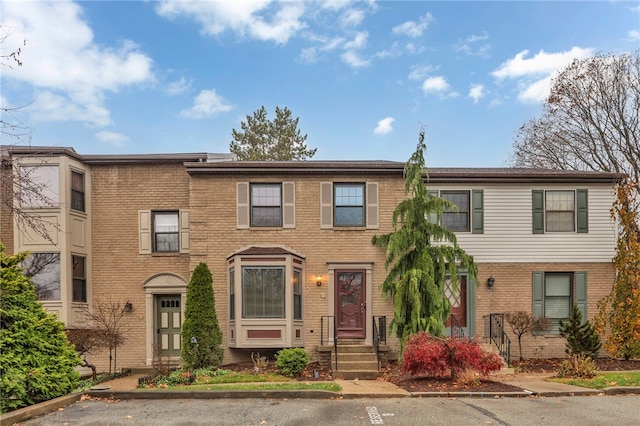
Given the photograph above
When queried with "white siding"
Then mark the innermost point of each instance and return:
(508, 233)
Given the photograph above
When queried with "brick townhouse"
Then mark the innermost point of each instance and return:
(289, 245)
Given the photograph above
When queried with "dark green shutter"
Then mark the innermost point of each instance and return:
(538, 294)
(582, 210)
(433, 217)
(581, 294)
(537, 203)
(477, 205)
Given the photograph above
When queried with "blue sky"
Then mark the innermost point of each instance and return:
(363, 76)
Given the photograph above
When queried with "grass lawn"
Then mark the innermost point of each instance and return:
(604, 380)
(224, 380)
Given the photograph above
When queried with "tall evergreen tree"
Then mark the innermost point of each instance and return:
(263, 139)
(37, 362)
(582, 338)
(201, 335)
(421, 254)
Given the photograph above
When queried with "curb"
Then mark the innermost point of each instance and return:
(26, 413)
(216, 394)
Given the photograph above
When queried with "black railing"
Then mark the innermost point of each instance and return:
(494, 333)
(457, 332)
(379, 334)
(331, 325)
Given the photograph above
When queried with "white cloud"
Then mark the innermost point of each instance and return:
(265, 20)
(542, 63)
(69, 72)
(634, 35)
(115, 139)
(534, 74)
(178, 87)
(358, 42)
(206, 104)
(354, 60)
(351, 18)
(412, 28)
(308, 55)
(435, 84)
(476, 92)
(384, 126)
(470, 45)
(420, 72)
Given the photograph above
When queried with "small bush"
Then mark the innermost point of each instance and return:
(292, 361)
(425, 354)
(582, 338)
(577, 366)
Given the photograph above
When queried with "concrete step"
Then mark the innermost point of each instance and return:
(353, 356)
(361, 349)
(356, 374)
(355, 365)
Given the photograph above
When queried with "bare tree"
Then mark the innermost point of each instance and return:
(113, 319)
(523, 322)
(591, 120)
(88, 341)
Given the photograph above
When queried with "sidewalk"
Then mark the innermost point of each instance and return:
(532, 384)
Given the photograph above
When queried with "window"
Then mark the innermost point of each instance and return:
(232, 294)
(560, 211)
(263, 294)
(456, 220)
(266, 207)
(555, 293)
(39, 186)
(44, 271)
(297, 294)
(166, 233)
(77, 191)
(348, 204)
(79, 279)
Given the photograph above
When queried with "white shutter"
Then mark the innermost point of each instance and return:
(326, 205)
(372, 205)
(184, 231)
(242, 205)
(144, 231)
(289, 204)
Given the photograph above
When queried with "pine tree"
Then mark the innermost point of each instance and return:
(201, 335)
(421, 254)
(37, 362)
(582, 339)
(263, 139)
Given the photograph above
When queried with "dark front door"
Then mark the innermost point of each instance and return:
(457, 296)
(350, 303)
(168, 325)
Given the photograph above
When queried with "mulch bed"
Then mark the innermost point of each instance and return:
(313, 372)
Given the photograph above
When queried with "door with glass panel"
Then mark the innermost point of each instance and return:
(350, 304)
(168, 324)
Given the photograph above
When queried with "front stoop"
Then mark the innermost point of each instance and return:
(355, 362)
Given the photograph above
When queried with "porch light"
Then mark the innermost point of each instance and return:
(490, 282)
(128, 307)
(319, 281)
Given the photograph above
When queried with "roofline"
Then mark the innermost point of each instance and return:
(518, 175)
(295, 167)
(144, 158)
(38, 151)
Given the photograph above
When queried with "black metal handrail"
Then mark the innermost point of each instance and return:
(457, 331)
(330, 319)
(494, 333)
(379, 334)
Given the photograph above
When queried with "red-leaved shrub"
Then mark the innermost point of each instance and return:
(425, 354)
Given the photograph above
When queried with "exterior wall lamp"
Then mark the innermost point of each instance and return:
(319, 281)
(490, 282)
(128, 307)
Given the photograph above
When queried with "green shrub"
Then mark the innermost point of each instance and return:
(37, 362)
(578, 366)
(582, 338)
(292, 361)
(201, 335)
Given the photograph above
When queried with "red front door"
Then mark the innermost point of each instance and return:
(457, 296)
(350, 303)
